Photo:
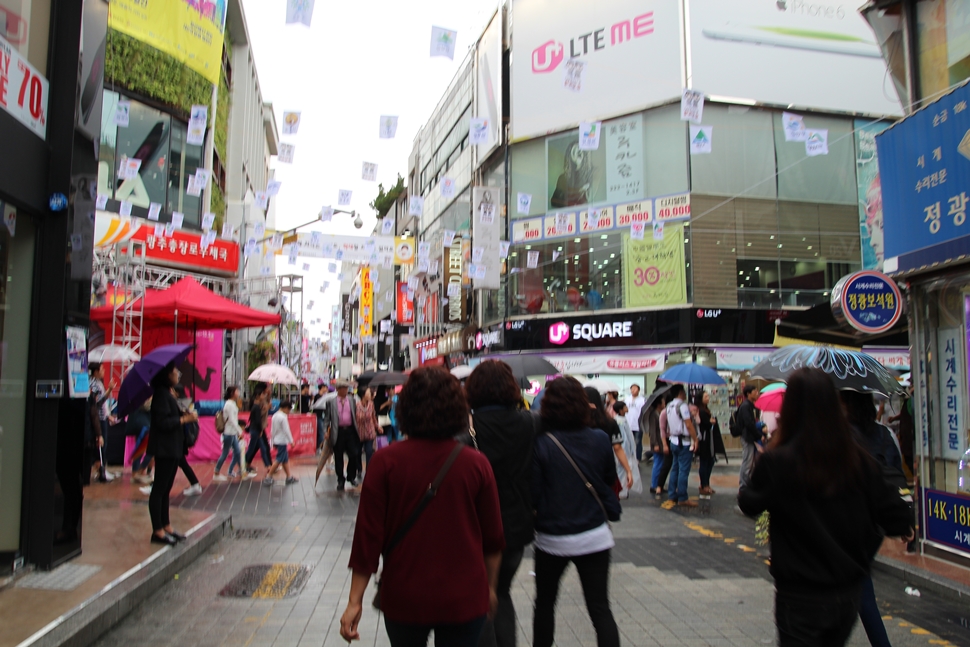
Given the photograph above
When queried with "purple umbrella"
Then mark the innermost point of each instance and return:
(137, 385)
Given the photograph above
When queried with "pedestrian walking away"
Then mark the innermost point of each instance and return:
(367, 426)
(828, 507)
(748, 421)
(227, 422)
(600, 420)
(572, 475)
(505, 434)
(683, 444)
(342, 420)
(635, 403)
(282, 439)
(441, 546)
(257, 434)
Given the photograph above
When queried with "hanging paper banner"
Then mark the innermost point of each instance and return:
(154, 209)
(692, 106)
(415, 205)
(794, 127)
(589, 135)
(700, 139)
(387, 226)
(299, 11)
(443, 42)
(291, 121)
(573, 73)
(273, 187)
(388, 127)
(343, 197)
(524, 203)
(447, 187)
(287, 153)
(198, 119)
(368, 172)
(122, 113)
(478, 131)
(817, 142)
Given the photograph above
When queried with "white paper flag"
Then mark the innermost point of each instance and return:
(250, 247)
(387, 226)
(306, 267)
(340, 277)
(486, 213)
(794, 127)
(448, 237)
(480, 271)
(388, 127)
(692, 106)
(316, 239)
(533, 260)
(130, 168)
(589, 135)
(273, 187)
(343, 197)
(658, 231)
(122, 112)
(153, 210)
(177, 219)
(369, 172)
(701, 139)
(339, 255)
(299, 11)
(198, 120)
(503, 249)
(574, 71)
(478, 131)
(286, 154)
(415, 205)
(388, 261)
(326, 284)
(262, 200)
(331, 267)
(443, 42)
(102, 202)
(433, 270)
(199, 113)
(817, 142)
(202, 177)
(377, 287)
(260, 230)
(424, 249)
(228, 231)
(636, 231)
(524, 203)
(264, 270)
(208, 219)
(556, 255)
(159, 230)
(424, 265)
(195, 187)
(447, 187)
(477, 254)
(125, 208)
(413, 283)
(170, 230)
(291, 122)
(326, 214)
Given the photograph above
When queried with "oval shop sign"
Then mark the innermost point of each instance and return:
(868, 301)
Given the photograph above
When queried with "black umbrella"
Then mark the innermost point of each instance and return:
(652, 398)
(364, 378)
(388, 378)
(526, 365)
(850, 370)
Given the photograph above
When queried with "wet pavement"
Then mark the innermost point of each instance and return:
(680, 577)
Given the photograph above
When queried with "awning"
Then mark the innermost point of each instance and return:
(609, 363)
(818, 324)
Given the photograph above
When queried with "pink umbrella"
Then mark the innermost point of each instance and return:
(771, 401)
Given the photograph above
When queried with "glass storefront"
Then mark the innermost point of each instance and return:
(167, 160)
(16, 283)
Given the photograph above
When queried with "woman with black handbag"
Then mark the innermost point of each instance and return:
(572, 476)
(191, 430)
(441, 545)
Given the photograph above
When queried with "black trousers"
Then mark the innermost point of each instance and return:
(257, 443)
(594, 574)
(347, 444)
(818, 620)
(188, 471)
(500, 630)
(459, 635)
(165, 471)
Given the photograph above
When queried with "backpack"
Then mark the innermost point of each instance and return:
(735, 423)
(220, 421)
(676, 415)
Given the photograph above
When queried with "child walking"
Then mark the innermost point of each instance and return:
(282, 439)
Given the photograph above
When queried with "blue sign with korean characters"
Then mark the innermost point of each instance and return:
(946, 519)
(924, 163)
(869, 301)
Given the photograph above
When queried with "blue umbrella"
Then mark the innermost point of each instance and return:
(692, 374)
(137, 385)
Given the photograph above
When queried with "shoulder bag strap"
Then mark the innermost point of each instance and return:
(589, 486)
(425, 500)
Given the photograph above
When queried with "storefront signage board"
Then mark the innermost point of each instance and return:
(869, 301)
(607, 363)
(740, 360)
(184, 249)
(23, 90)
(951, 372)
(946, 519)
(366, 313)
(405, 306)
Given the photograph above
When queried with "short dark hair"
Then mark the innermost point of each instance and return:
(286, 404)
(618, 407)
(94, 367)
(492, 383)
(748, 388)
(432, 404)
(258, 389)
(564, 405)
(676, 390)
(231, 392)
(304, 386)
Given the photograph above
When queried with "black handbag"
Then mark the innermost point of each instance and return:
(191, 431)
(425, 500)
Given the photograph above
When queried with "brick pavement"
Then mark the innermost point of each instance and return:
(681, 578)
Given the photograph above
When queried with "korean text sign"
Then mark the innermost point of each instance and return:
(23, 90)
(924, 163)
(654, 272)
(868, 301)
(184, 249)
(951, 382)
(947, 519)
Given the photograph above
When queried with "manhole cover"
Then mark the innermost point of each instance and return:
(267, 581)
(252, 533)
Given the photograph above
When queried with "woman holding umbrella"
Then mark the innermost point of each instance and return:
(166, 442)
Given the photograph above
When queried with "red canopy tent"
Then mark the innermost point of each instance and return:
(187, 304)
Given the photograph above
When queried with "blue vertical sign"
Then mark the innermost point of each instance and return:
(951, 380)
(924, 163)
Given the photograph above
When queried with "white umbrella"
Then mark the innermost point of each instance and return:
(274, 374)
(112, 353)
(603, 385)
(461, 372)
(322, 402)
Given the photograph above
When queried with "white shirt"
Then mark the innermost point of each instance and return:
(585, 543)
(635, 405)
(281, 429)
(230, 413)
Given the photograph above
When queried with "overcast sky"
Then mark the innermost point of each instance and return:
(359, 60)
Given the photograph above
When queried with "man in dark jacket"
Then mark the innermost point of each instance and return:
(751, 433)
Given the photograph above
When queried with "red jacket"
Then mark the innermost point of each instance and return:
(436, 574)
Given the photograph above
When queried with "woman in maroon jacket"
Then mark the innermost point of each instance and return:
(443, 573)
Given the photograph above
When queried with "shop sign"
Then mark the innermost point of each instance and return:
(896, 360)
(605, 363)
(405, 306)
(366, 314)
(947, 519)
(485, 339)
(560, 333)
(952, 393)
(740, 360)
(560, 224)
(23, 90)
(427, 350)
(454, 262)
(184, 249)
(596, 219)
(673, 207)
(924, 165)
(869, 301)
(631, 212)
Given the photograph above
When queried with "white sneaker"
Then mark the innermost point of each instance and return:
(145, 490)
(249, 475)
(220, 478)
(192, 490)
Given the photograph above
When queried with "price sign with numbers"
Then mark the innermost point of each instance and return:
(947, 519)
(23, 90)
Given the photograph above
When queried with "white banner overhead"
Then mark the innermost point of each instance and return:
(489, 78)
(352, 249)
(608, 363)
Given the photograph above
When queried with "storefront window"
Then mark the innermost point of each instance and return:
(167, 161)
(943, 42)
(25, 24)
(16, 280)
(823, 178)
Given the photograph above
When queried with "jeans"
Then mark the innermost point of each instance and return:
(367, 449)
(347, 444)
(871, 617)
(748, 452)
(819, 620)
(321, 432)
(165, 471)
(188, 471)
(500, 630)
(661, 467)
(594, 574)
(705, 469)
(229, 442)
(257, 443)
(679, 472)
(459, 635)
(638, 435)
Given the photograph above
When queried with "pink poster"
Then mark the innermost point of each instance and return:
(203, 367)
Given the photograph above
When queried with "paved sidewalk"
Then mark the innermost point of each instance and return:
(679, 578)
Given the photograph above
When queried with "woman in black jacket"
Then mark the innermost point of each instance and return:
(829, 507)
(166, 441)
(505, 435)
(600, 420)
(572, 520)
(708, 441)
